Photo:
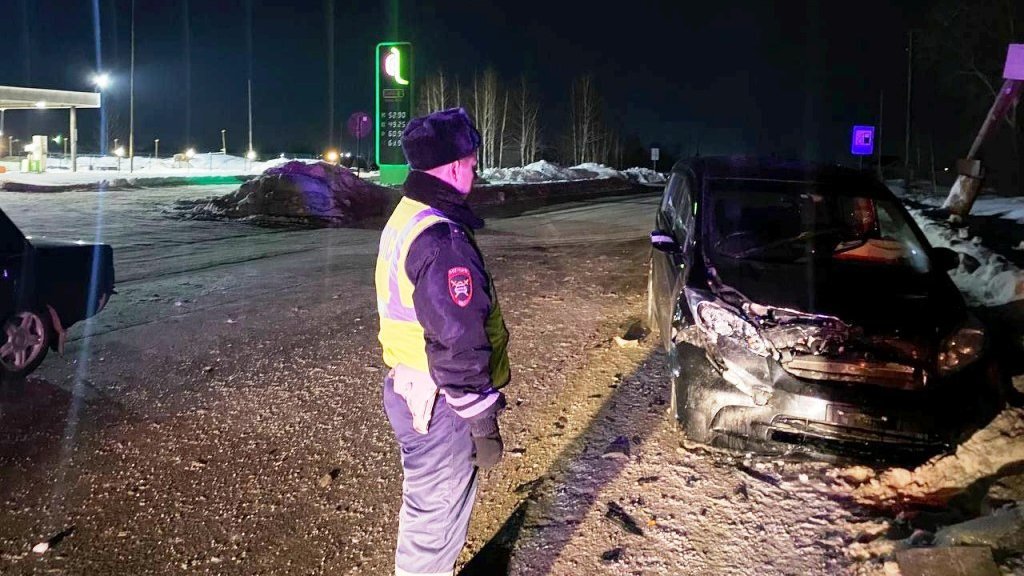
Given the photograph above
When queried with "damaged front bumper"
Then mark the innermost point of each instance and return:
(779, 412)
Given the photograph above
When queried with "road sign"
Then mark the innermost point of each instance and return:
(394, 108)
(863, 141)
(360, 125)
(1014, 69)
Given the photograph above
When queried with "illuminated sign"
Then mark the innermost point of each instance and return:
(394, 108)
(863, 141)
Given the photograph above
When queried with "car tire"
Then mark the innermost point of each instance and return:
(688, 367)
(26, 339)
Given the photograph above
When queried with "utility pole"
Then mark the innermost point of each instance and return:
(878, 140)
(131, 99)
(907, 177)
(250, 116)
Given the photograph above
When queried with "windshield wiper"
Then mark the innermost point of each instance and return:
(801, 237)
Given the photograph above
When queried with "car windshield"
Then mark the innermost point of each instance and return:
(788, 222)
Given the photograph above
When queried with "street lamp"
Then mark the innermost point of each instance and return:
(223, 141)
(156, 148)
(102, 81)
(250, 155)
(331, 156)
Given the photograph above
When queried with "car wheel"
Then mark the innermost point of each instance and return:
(689, 368)
(26, 339)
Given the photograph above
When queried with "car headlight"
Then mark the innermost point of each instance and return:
(961, 348)
(726, 323)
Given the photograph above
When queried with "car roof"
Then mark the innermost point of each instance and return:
(836, 179)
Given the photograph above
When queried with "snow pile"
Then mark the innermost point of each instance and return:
(985, 278)
(544, 171)
(317, 194)
(540, 171)
(989, 453)
(645, 176)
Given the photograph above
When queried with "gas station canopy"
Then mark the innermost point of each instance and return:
(12, 97)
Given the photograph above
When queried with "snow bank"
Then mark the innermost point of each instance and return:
(989, 453)
(319, 194)
(544, 171)
(985, 278)
(645, 176)
(96, 172)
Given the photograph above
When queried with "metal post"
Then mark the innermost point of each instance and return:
(910, 93)
(250, 118)
(74, 139)
(223, 141)
(156, 148)
(878, 140)
(131, 97)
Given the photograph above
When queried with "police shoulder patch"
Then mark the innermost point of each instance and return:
(460, 285)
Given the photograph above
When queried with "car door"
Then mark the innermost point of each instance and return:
(675, 218)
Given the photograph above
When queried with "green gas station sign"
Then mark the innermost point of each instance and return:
(394, 108)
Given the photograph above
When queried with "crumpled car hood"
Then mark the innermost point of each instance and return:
(877, 301)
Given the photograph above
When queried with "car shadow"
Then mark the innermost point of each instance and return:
(557, 501)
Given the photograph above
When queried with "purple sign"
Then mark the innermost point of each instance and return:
(863, 141)
(360, 125)
(1014, 63)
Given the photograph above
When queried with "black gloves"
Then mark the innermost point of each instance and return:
(487, 440)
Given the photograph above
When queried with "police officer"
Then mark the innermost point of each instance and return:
(445, 341)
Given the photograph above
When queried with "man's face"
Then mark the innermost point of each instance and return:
(465, 171)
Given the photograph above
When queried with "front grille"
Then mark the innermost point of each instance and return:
(887, 374)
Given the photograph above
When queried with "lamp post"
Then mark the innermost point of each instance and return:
(223, 141)
(101, 80)
(131, 101)
(156, 148)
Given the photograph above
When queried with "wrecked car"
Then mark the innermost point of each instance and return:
(802, 309)
(46, 286)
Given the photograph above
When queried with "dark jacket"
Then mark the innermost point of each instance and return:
(455, 301)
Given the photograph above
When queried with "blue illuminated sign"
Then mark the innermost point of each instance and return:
(863, 141)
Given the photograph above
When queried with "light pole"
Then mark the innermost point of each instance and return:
(101, 80)
(131, 100)
(223, 141)
(116, 140)
(156, 148)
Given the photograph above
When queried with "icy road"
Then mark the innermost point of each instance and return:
(224, 415)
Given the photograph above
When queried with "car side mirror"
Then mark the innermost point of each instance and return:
(664, 242)
(945, 259)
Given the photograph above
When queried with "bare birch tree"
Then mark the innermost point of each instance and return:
(485, 114)
(586, 132)
(528, 112)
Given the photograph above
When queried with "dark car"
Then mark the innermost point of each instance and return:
(45, 287)
(804, 310)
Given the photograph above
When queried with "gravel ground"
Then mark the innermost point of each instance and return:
(239, 431)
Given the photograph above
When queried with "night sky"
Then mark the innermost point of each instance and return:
(781, 77)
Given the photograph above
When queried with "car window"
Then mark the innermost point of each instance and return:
(670, 199)
(683, 217)
(791, 222)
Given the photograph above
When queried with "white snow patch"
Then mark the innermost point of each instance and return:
(993, 282)
(544, 171)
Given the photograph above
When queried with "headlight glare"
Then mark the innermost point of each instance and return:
(961, 348)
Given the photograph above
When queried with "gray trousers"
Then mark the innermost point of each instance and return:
(438, 489)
